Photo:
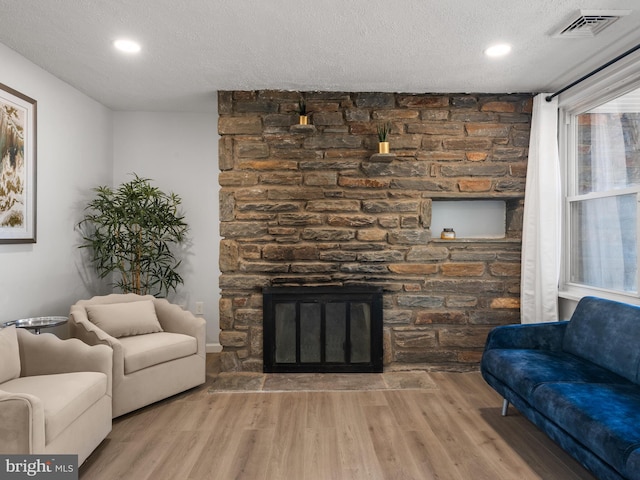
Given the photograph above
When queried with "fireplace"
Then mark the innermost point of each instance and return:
(321, 207)
(322, 329)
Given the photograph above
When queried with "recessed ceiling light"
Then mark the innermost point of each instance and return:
(498, 50)
(127, 46)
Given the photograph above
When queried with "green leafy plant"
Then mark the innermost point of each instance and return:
(302, 107)
(132, 231)
(383, 131)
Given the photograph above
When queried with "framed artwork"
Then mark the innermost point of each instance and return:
(17, 167)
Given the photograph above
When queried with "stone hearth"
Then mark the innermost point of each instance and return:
(317, 207)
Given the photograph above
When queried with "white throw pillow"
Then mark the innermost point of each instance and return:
(125, 319)
(9, 354)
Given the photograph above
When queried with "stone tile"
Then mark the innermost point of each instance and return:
(237, 382)
(323, 382)
(409, 380)
(301, 382)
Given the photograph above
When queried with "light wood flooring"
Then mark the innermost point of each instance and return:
(452, 432)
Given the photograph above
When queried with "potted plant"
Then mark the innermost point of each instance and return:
(302, 111)
(132, 232)
(383, 132)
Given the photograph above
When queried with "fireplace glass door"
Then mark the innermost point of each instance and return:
(322, 329)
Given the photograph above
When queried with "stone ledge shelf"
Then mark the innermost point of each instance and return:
(302, 128)
(477, 240)
(382, 158)
(474, 195)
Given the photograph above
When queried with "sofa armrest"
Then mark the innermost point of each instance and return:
(22, 420)
(46, 354)
(176, 320)
(536, 336)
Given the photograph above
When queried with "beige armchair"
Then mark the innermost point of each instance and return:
(55, 395)
(158, 348)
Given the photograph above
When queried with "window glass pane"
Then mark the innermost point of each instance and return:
(608, 149)
(360, 333)
(310, 323)
(603, 243)
(285, 332)
(336, 333)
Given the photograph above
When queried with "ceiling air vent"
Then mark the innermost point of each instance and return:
(588, 23)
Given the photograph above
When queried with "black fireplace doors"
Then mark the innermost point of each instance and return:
(322, 329)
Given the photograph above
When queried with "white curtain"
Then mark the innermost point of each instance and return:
(602, 254)
(541, 231)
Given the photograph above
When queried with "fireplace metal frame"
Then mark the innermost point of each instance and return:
(372, 296)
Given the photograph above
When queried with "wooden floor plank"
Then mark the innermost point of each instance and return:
(453, 431)
(321, 411)
(494, 450)
(429, 456)
(251, 457)
(357, 452)
(429, 452)
(287, 453)
(182, 455)
(223, 433)
(467, 458)
(394, 457)
(321, 454)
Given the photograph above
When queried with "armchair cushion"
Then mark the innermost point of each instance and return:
(125, 319)
(9, 354)
(144, 351)
(64, 396)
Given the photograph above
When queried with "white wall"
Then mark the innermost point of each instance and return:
(74, 153)
(179, 152)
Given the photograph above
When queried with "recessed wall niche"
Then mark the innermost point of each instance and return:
(470, 219)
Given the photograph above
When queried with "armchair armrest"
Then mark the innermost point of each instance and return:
(22, 420)
(46, 354)
(174, 319)
(537, 336)
(81, 327)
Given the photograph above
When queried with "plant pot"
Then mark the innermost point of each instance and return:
(304, 119)
(383, 147)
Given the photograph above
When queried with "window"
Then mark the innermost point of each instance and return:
(603, 194)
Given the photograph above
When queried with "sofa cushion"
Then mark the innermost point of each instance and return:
(525, 370)
(633, 462)
(606, 333)
(9, 354)
(125, 319)
(64, 396)
(603, 418)
(144, 351)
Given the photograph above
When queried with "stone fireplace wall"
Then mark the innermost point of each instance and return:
(315, 206)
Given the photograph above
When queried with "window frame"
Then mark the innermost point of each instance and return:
(597, 91)
(587, 289)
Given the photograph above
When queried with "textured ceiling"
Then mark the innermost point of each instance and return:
(193, 48)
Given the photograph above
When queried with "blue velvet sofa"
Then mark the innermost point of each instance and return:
(578, 381)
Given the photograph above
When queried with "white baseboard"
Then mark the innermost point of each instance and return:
(213, 348)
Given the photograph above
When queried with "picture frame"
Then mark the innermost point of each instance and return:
(18, 128)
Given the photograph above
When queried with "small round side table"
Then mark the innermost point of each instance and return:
(36, 323)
